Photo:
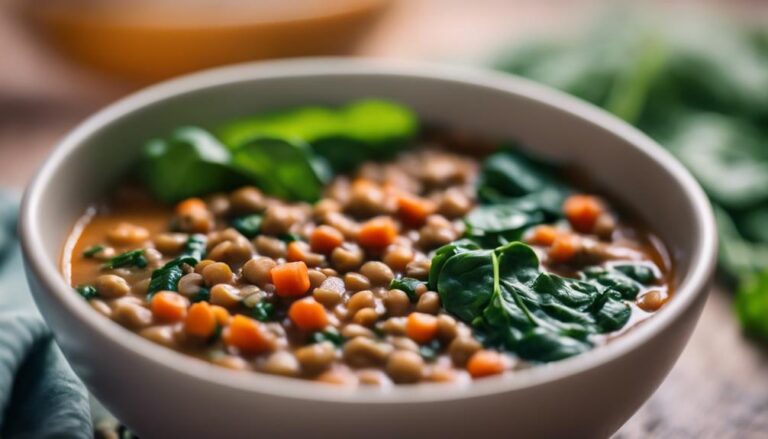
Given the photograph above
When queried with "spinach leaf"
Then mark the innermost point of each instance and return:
(443, 253)
(87, 291)
(616, 280)
(344, 137)
(610, 312)
(752, 305)
(303, 123)
(166, 278)
(191, 162)
(545, 345)
(463, 284)
(407, 285)
(515, 306)
(508, 174)
(645, 274)
(132, 258)
(498, 224)
(283, 168)
(518, 193)
(249, 225)
(733, 177)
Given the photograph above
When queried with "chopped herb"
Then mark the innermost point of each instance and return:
(166, 278)
(407, 285)
(430, 350)
(203, 294)
(330, 335)
(216, 334)
(133, 258)
(249, 225)
(87, 291)
(93, 251)
(263, 311)
(195, 247)
(289, 237)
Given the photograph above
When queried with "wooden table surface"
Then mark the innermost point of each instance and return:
(719, 387)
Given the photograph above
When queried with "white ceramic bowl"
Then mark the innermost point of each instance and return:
(161, 393)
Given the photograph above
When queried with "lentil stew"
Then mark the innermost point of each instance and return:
(350, 246)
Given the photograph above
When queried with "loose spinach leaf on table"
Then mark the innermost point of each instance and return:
(514, 305)
(734, 177)
(752, 305)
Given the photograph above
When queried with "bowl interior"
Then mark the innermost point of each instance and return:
(93, 158)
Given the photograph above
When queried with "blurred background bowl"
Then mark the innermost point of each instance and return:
(145, 41)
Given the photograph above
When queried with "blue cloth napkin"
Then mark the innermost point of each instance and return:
(40, 396)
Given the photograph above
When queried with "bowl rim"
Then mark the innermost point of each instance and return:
(47, 273)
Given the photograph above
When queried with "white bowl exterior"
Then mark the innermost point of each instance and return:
(158, 392)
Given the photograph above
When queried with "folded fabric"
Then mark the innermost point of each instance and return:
(40, 396)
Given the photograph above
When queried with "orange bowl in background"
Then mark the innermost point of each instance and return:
(150, 40)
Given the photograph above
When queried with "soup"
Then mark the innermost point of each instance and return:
(351, 246)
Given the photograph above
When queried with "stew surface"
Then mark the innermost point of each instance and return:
(423, 264)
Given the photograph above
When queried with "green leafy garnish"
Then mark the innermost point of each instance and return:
(87, 291)
(407, 285)
(132, 258)
(344, 136)
(431, 350)
(93, 251)
(249, 225)
(513, 305)
(166, 278)
(289, 237)
(288, 154)
(644, 273)
(509, 174)
(195, 247)
(263, 311)
(283, 168)
(191, 162)
(517, 193)
(330, 335)
(698, 87)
